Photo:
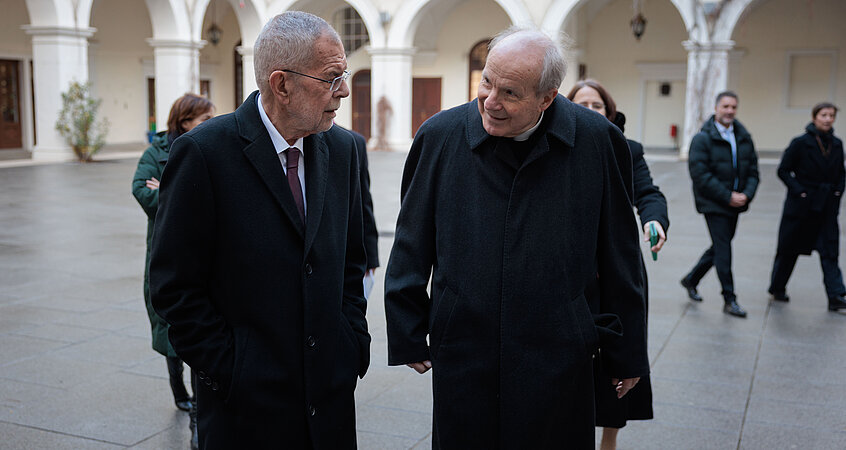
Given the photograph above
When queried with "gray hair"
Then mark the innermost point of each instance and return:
(287, 42)
(554, 65)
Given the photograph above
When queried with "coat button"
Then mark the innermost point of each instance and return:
(215, 386)
(311, 410)
(308, 269)
(207, 381)
(311, 341)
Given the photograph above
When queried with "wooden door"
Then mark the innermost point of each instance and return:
(10, 104)
(425, 100)
(361, 103)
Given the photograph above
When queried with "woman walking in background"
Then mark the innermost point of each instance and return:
(812, 169)
(186, 113)
(612, 412)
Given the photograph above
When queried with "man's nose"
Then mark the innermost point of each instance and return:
(343, 91)
(492, 101)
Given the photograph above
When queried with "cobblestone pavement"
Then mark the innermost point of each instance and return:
(77, 371)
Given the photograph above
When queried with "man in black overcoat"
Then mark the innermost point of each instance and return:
(513, 203)
(258, 253)
(724, 171)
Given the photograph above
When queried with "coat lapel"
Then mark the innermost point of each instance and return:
(262, 155)
(316, 172)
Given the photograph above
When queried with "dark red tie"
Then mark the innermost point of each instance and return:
(293, 158)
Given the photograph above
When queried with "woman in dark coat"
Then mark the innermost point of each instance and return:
(611, 412)
(186, 113)
(812, 169)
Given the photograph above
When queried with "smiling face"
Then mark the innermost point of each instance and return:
(311, 106)
(725, 110)
(824, 119)
(508, 99)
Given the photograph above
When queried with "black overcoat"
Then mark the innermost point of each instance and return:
(810, 223)
(713, 174)
(510, 247)
(268, 311)
(371, 233)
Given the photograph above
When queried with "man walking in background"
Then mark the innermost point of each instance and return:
(724, 170)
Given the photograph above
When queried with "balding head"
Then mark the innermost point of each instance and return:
(545, 54)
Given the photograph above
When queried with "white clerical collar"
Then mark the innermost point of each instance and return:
(279, 142)
(528, 133)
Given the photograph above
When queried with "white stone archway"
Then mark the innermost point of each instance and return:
(368, 11)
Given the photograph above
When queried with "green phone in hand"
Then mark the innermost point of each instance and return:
(653, 239)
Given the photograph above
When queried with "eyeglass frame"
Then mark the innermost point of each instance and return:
(339, 79)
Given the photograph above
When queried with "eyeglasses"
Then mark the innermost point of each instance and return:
(334, 83)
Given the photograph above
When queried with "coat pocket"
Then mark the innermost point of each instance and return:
(440, 319)
(242, 337)
(585, 320)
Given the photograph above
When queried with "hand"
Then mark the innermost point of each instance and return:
(624, 385)
(661, 236)
(422, 366)
(153, 183)
(738, 199)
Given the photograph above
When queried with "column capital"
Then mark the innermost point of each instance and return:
(719, 46)
(176, 43)
(38, 30)
(391, 51)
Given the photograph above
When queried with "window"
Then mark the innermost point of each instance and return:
(351, 28)
(478, 57)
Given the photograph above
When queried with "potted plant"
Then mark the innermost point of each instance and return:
(78, 122)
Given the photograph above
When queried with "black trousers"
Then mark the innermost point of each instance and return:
(721, 228)
(783, 267)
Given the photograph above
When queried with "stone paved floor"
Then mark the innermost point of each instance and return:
(77, 371)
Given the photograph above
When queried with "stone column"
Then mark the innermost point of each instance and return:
(391, 80)
(248, 71)
(707, 75)
(177, 72)
(59, 56)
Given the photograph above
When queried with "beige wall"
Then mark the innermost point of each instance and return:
(13, 40)
(116, 69)
(766, 36)
(611, 54)
(462, 29)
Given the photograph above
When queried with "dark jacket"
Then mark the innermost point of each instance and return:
(510, 247)
(648, 199)
(371, 234)
(267, 311)
(713, 174)
(151, 165)
(810, 223)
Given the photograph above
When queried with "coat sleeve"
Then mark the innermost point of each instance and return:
(180, 265)
(705, 182)
(620, 266)
(752, 177)
(841, 171)
(354, 306)
(407, 302)
(649, 201)
(371, 234)
(789, 162)
(147, 198)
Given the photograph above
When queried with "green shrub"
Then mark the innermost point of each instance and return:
(78, 122)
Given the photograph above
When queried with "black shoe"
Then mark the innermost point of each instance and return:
(195, 435)
(691, 291)
(779, 296)
(837, 303)
(734, 309)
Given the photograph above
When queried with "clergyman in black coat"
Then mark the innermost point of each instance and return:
(510, 203)
(812, 169)
(724, 172)
(371, 234)
(260, 281)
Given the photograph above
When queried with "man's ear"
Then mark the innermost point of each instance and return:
(548, 98)
(280, 86)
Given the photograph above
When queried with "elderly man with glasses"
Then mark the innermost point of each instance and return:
(258, 252)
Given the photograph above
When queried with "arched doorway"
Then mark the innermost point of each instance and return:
(361, 102)
(478, 57)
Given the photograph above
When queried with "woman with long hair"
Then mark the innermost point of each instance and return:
(613, 412)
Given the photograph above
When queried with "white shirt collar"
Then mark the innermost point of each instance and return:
(279, 142)
(723, 129)
(526, 134)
